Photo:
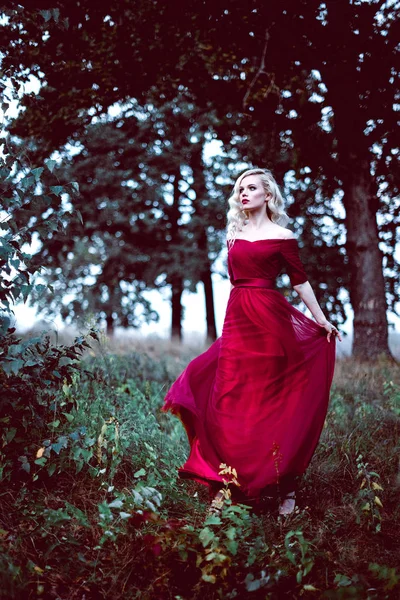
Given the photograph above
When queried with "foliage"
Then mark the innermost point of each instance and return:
(32, 371)
(114, 519)
(147, 222)
(27, 200)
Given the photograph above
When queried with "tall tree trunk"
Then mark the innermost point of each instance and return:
(177, 309)
(176, 279)
(367, 287)
(200, 188)
(210, 312)
(367, 291)
(110, 329)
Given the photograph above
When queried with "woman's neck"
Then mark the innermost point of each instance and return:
(257, 221)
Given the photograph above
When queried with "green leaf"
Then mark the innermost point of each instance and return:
(10, 434)
(54, 424)
(299, 576)
(50, 164)
(117, 503)
(57, 447)
(41, 461)
(206, 536)
(342, 580)
(140, 473)
(69, 417)
(37, 173)
(40, 288)
(50, 469)
(27, 182)
(213, 520)
(4, 324)
(252, 584)
(291, 556)
(46, 14)
(209, 578)
(308, 567)
(13, 366)
(57, 189)
(232, 546)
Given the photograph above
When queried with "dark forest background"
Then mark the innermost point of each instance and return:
(130, 95)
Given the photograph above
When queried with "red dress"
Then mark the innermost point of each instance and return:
(256, 400)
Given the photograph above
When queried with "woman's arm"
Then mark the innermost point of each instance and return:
(306, 293)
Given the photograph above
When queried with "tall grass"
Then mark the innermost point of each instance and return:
(104, 515)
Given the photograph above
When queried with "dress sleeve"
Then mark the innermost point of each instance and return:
(292, 262)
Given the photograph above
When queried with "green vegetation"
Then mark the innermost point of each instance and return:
(91, 506)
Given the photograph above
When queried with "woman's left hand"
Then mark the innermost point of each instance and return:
(332, 330)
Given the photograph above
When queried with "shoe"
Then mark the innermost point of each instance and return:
(288, 504)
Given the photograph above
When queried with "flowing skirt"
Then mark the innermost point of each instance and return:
(256, 400)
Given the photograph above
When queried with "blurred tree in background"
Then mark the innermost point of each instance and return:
(305, 88)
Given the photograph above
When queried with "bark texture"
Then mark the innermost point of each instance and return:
(367, 287)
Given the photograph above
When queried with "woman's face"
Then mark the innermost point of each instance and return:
(251, 192)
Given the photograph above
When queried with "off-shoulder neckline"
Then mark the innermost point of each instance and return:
(266, 240)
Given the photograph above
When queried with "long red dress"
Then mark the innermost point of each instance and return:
(256, 400)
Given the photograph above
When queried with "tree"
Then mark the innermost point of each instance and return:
(141, 225)
(279, 84)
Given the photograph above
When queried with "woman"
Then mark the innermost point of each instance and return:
(256, 400)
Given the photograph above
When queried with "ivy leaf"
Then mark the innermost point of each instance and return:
(50, 164)
(37, 173)
(117, 503)
(57, 447)
(27, 182)
(13, 366)
(46, 14)
(140, 473)
(57, 189)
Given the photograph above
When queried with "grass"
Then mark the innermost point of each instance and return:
(111, 520)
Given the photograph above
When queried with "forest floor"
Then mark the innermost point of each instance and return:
(100, 512)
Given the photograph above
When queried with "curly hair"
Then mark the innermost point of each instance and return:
(236, 216)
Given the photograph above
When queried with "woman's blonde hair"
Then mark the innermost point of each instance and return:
(236, 216)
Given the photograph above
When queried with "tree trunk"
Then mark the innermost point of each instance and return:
(110, 324)
(367, 287)
(200, 188)
(176, 279)
(210, 312)
(177, 309)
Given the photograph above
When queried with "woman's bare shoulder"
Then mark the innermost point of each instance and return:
(286, 234)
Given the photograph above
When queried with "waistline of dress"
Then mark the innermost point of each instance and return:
(257, 283)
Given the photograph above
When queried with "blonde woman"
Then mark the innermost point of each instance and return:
(256, 400)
